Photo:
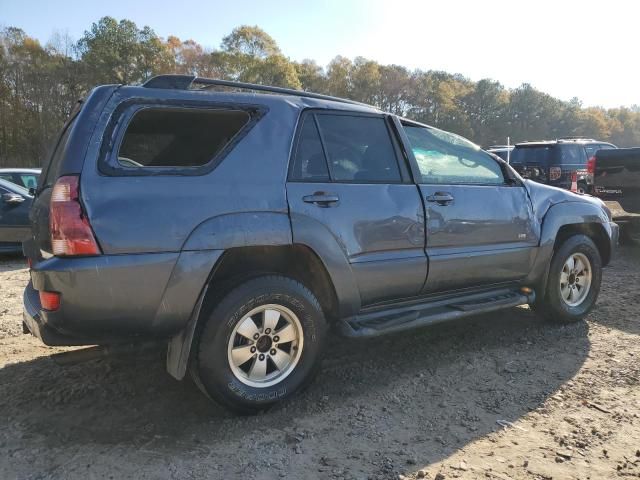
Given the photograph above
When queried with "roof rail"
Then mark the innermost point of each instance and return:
(184, 82)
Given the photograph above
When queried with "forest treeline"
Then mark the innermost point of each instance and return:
(39, 85)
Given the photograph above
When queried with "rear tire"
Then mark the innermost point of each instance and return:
(261, 344)
(575, 275)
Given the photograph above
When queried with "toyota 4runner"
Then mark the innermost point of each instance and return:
(238, 227)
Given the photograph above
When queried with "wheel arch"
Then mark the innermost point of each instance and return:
(559, 223)
(238, 264)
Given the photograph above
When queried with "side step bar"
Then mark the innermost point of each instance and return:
(432, 311)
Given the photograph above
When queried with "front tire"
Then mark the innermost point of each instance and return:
(573, 284)
(261, 344)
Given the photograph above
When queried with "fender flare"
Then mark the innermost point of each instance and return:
(556, 217)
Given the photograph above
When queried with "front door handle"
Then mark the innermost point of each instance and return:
(322, 199)
(441, 198)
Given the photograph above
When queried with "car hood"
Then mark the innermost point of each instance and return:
(543, 197)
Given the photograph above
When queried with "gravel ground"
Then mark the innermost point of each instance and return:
(502, 396)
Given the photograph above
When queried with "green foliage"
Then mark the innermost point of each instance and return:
(250, 41)
(120, 52)
(39, 86)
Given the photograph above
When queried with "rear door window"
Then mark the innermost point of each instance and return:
(358, 149)
(178, 137)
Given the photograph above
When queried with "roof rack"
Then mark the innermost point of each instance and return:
(577, 138)
(184, 82)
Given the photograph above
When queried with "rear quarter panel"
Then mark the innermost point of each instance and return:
(143, 214)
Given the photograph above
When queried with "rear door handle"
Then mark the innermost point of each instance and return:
(441, 198)
(322, 199)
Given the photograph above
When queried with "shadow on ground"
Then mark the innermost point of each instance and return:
(618, 302)
(377, 408)
(10, 262)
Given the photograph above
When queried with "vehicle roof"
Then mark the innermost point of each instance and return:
(13, 187)
(560, 141)
(21, 170)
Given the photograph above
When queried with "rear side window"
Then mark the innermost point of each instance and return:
(172, 137)
(309, 164)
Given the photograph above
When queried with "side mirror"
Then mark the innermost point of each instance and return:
(12, 198)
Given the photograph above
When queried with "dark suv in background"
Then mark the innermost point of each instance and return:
(237, 227)
(562, 163)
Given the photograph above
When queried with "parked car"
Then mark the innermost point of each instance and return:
(15, 203)
(503, 151)
(25, 177)
(238, 227)
(614, 176)
(560, 163)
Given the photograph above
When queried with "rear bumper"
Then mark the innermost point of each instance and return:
(111, 299)
(33, 319)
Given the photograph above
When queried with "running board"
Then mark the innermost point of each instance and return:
(432, 311)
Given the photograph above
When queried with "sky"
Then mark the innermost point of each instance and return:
(585, 49)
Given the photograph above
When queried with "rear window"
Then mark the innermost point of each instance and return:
(54, 164)
(50, 170)
(171, 137)
(536, 155)
(572, 155)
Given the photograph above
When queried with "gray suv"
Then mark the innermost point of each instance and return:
(238, 227)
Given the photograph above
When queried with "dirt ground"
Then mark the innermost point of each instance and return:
(503, 396)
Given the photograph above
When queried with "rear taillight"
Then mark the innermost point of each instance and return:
(50, 301)
(591, 170)
(71, 233)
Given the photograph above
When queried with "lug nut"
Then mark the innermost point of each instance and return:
(256, 336)
(267, 331)
(276, 338)
(273, 351)
(253, 349)
(261, 357)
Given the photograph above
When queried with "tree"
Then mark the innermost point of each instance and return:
(40, 84)
(311, 76)
(251, 41)
(119, 52)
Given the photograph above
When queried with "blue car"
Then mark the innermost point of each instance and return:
(15, 203)
(24, 177)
